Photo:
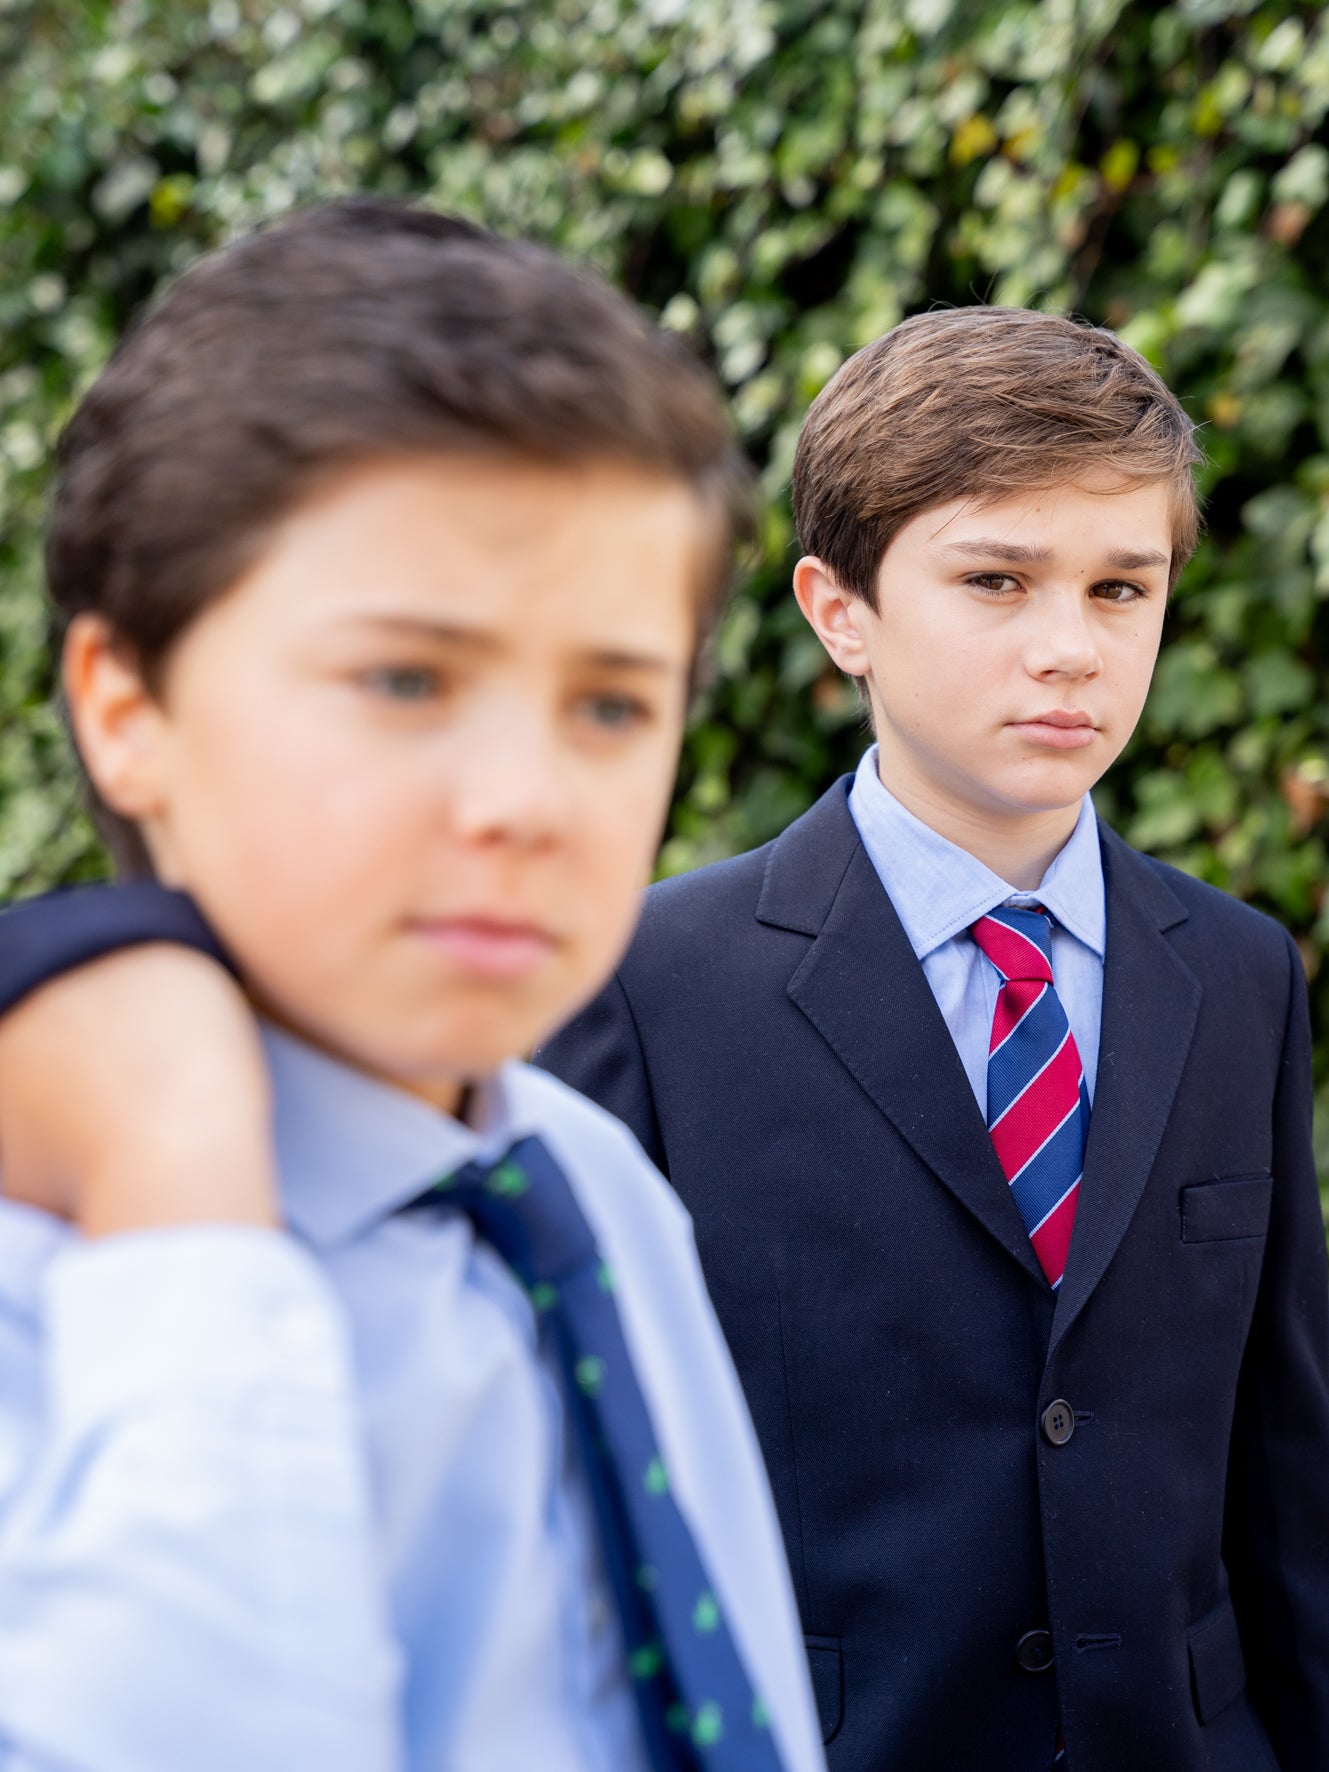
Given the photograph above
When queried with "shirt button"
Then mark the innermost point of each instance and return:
(1033, 1652)
(1058, 1422)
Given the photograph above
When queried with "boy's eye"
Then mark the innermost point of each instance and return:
(404, 682)
(995, 583)
(1118, 590)
(615, 713)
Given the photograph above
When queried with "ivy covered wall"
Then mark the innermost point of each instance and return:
(783, 180)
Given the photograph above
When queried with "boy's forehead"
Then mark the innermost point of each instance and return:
(461, 547)
(1033, 522)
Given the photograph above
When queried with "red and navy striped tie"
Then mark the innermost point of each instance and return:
(1038, 1106)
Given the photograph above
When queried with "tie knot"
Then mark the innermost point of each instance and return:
(524, 1205)
(1017, 941)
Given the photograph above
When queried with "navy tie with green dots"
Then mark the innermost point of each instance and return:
(697, 1705)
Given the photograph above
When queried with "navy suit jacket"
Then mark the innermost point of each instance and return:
(772, 1040)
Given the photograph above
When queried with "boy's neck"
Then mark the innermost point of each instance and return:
(450, 1095)
(1018, 849)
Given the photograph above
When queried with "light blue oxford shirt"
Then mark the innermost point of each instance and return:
(939, 890)
(303, 1500)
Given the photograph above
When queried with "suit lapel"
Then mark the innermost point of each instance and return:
(1151, 1001)
(862, 988)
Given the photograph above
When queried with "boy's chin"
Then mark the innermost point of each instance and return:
(432, 1038)
(1041, 791)
(438, 1069)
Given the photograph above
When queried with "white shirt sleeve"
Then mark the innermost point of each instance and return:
(186, 1573)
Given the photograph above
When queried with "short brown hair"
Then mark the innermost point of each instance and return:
(351, 330)
(980, 403)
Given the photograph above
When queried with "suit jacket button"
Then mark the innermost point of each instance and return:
(1058, 1422)
(1034, 1651)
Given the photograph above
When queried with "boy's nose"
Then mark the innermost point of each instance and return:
(512, 788)
(1062, 643)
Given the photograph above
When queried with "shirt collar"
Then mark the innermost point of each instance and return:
(351, 1150)
(939, 889)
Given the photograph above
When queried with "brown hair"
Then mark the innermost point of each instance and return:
(351, 330)
(980, 403)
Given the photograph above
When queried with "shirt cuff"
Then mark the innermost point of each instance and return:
(133, 1318)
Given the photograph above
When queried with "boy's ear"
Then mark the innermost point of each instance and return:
(118, 725)
(837, 618)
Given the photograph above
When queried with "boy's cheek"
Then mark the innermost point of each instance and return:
(310, 891)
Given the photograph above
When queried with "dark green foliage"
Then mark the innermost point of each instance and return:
(784, 181)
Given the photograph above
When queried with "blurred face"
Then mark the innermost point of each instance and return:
(415, 764)
(1011, 651)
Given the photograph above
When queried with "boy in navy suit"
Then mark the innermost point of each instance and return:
(995, 1134)
(361, 1405)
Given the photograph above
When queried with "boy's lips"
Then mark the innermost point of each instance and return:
(1059, 729)
(488, 947)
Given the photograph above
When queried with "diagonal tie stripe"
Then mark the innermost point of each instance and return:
(1053, 1167)
(1020, 998)
(1015, 1061)
(1038, 1107)
(1052, 1239)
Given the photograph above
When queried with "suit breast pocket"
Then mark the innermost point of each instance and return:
(1233, 1208)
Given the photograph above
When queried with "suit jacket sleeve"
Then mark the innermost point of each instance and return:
(600, 1054)
(1277, 1534)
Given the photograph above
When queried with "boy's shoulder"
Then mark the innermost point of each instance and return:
(788, 882)
(599, 1153)
(642, 1229)
(1179, 899)
(1232, 950)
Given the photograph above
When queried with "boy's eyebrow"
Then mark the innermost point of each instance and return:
(982, 547)
(1017, 553)
(630, 661)
(458, 634)
(1131, 559)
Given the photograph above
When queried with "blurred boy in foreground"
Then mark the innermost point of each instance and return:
(361, 1405)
